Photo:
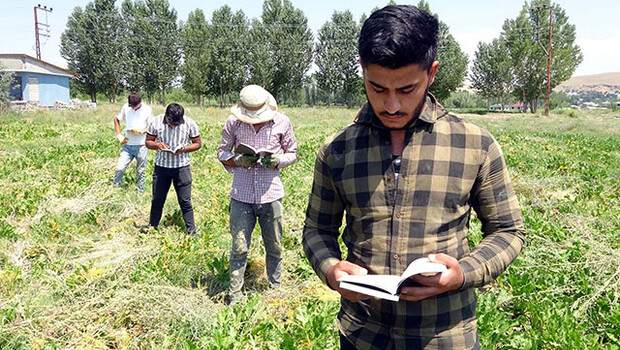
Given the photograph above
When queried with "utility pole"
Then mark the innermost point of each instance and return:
(549, 59)
(38, 25)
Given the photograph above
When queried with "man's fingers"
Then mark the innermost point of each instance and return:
(353, 296)
(352, 269)
(443, 259)
(431, 281)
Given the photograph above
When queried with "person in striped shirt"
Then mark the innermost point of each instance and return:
(408, 174)
(173, 135)
(257, 190)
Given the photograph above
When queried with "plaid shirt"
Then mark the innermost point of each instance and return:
(259, 185)
(449, 166)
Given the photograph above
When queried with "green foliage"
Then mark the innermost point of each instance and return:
(527, 37)
(76, 272)
(337, 77)
(569, 112)
(559, 100)
(226, 69)
(464, 99)
(289, 43)
(196, 53)
(453, 61)
(93, 45)
(153, 46)
(261, 56)
(453, 65)
(5, 85)
(491, 73)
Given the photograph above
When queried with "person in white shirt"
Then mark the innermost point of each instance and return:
(135, 115)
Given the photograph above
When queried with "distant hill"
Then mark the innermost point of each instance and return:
(603, 83)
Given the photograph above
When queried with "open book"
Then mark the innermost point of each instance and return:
(388, 286)
(243, 148)
(172, 150)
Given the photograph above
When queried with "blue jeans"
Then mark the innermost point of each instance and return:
(243, 218)
(128, 153)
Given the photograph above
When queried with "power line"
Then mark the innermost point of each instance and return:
(38, 25)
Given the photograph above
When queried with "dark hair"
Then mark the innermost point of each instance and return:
(134, 99)
(174, 114)
(397, 36)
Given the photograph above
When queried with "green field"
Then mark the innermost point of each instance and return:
(75, 272)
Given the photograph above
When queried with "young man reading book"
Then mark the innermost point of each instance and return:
(173, 135)
(257, 142)
(408, 173)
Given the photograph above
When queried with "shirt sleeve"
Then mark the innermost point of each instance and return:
(289, 146)
(151, 129)
(194, 131)
(121, 114)
(323, 220)
(496, 205)
(227, 142)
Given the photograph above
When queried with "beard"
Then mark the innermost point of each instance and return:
(416, 112)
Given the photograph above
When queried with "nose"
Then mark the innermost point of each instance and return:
(392, 104)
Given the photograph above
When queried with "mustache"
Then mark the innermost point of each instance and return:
(397, 114)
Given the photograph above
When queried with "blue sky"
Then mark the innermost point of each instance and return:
(470, 22)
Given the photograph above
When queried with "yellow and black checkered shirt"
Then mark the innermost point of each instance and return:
(448, 167)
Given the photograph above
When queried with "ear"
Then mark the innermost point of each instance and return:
(432, 71)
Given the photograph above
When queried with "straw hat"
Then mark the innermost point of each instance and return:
(256, 105)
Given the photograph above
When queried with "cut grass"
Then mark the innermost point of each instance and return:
(75, 272)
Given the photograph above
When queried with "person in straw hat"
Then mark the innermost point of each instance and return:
(257, 141)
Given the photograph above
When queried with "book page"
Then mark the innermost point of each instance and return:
(387, 283)
(172, 150)
(368, 291)
(242, 148)
(422, 265)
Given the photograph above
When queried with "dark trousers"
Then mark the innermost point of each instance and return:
(181, 178)
(345, 344)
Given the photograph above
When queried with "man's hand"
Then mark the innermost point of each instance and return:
(180, 150)
(341, 269)
(440, 283)
(122, 139)
(270, 161)
(245, 160)
(162, 146)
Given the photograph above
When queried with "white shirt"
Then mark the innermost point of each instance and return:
(136, 123)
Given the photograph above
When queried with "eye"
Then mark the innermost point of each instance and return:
(378, 90)
(407, 90)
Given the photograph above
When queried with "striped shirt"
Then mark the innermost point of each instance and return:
(259, 185)
(448, 168)
(180, 135)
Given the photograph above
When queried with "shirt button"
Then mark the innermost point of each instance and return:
(398, 215)
(396, 257)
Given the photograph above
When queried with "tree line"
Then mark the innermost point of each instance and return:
(514, 64)
(142, 45)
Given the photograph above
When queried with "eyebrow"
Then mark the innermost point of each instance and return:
(379, 86)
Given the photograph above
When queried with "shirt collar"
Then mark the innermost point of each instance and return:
(431, 112)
